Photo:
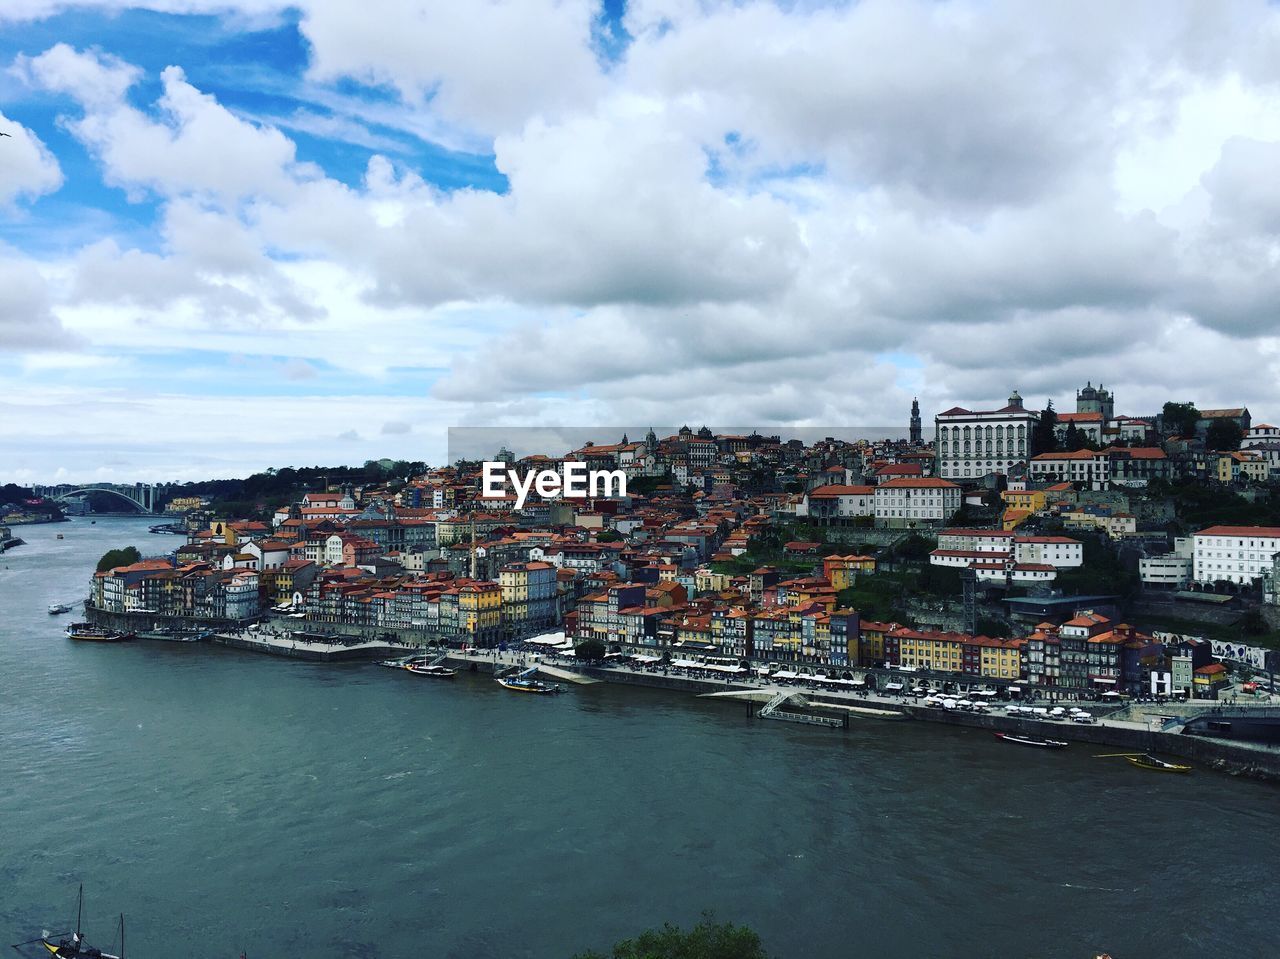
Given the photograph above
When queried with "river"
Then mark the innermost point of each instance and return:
(226, 801)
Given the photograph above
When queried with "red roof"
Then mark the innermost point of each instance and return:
(917, 483)
(1261, 532)
(836, 489)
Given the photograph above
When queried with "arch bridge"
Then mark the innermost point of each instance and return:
(142, 495)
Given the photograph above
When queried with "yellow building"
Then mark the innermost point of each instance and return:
(870, 649)
(1002, 659)
(1242, 465)
(480, 611)
(841, 571)
(708, 581)
(1031, 500)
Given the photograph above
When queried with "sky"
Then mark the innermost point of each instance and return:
(240, 234)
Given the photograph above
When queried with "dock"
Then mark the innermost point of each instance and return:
(316, 651)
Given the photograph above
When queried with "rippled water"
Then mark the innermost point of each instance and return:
(225, 801)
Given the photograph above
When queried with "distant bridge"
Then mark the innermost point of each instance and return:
(140, 495)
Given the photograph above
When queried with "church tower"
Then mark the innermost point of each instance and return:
(917, 435)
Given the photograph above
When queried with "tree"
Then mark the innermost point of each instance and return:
(608, 536)
(1223, 435)
(707, 940)
(1074, 440)
(1180, 419)
(590, 649)
(1044, 435)
(118, 557)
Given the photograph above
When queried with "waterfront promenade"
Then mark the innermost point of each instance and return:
(1134, 727)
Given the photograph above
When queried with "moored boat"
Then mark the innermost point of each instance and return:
(1032, 741)
(88, 632)
(530, 686)
(1147, 761)
(431, 669)
(523, 682)
(57, 609)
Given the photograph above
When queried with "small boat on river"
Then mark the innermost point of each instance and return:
(1147, 761)
(88, 632)
(1032, 741)
(57, 609)
(525, 683)
(71, 945)
(431, 669)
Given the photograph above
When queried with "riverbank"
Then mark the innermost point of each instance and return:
(1111, 727)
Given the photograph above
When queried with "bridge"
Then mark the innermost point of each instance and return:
(141, 495)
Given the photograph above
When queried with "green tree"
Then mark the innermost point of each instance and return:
(707, 940)
(118, 557)
(1223, 435)
(1074, 440)
(1044, 435)
(608, 536)
(1180, 419)
(590, 649)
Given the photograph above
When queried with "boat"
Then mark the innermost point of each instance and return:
(431, 669)
(71, 945)
(88, 632)
(1032, 741)
(525, 683)
(60, 536)
(57, 609)
(1147, 761)
(173, 635)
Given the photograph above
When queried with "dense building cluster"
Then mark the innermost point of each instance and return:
(669, 565)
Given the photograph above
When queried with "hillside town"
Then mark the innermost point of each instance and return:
(1085, 551)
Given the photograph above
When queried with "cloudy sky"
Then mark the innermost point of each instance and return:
(247, 233)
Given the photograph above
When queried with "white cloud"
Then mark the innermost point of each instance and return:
(27, 168)
(795, 211)
(195, 144)
(484, 67)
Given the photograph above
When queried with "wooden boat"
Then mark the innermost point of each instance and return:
(429, 669)
(529, 686)
(1147, 761)
(524, 682)
(71, 945)
(87, 632)
(1032, 741)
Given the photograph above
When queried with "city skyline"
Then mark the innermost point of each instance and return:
(246, 233)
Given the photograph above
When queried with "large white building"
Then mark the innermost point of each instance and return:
(837, 501)
(974, 443)
(996, 553)
(915, 501)
(1237, 554)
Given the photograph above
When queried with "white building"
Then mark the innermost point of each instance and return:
(1088, 425)
(1169, 570)
(1260, 434)
(915, 501)
(974, 443)
(1082, 466)
(1237, 554)
(994, 552)
(242, 595)
(838, 501)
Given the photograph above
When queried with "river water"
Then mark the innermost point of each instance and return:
(227, 801)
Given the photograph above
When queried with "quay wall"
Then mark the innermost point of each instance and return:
(1227, 756)
(311, 654)
(142, 622)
